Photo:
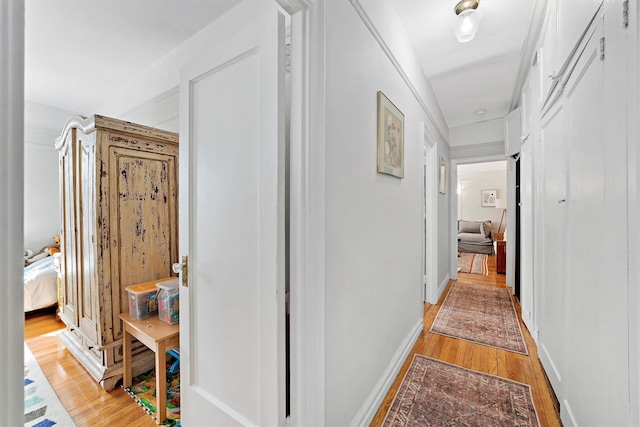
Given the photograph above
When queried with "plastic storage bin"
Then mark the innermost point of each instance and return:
(169, 301)
(142, 299)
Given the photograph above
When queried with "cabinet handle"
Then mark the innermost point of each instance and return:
(561, 201)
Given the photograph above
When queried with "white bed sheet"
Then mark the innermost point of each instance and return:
(40, 284)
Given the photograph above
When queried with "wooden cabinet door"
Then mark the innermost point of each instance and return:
(88, 308)
(142, 208)
(68, 267)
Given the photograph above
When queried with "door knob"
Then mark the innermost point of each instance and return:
(182, 269)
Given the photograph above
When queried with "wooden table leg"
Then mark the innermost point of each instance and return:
(161, 381)
(126, 358)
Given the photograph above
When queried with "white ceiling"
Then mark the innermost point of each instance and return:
(466, 77)
(79, 51)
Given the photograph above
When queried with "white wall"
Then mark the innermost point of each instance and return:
(374, 222)
(43, 124)
(470, 206)
(475, 140)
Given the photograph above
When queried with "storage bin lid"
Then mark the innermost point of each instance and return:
(143, 288)
(168, 285)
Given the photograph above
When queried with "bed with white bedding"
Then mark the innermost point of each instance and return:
(40, 284)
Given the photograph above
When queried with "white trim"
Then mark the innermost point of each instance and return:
(40, 136)
(453, 174)
(153, 104)
(633, 179)
(431, 168)
(12, 18)
(510, 232)
(538, 11)
(370, 406)
(443, 285)
(307, 217)
(475, 150)
(293, 6)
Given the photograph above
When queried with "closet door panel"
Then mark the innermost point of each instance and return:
(596, 341)
(552, 283)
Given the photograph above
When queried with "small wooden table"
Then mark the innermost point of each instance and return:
(501, 256)
(159, 337)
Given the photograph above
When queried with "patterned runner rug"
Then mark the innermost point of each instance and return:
(480, 314)
(436, 393)
(42, 407)
(473, 263)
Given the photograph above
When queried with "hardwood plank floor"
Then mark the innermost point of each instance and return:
(506, 364)
(84, 399)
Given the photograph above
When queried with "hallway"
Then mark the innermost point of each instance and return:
(480, 358)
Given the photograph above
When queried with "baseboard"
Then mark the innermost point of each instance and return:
(370, 406)
(443, 285)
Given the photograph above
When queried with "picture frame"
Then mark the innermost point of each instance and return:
(488, 198)
(390, 138)
(443, 175)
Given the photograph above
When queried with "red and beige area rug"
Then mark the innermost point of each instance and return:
(435, 393)
(482, 315)
(473, 263)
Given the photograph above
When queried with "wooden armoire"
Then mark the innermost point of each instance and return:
(119, 201)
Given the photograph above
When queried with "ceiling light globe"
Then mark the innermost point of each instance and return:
(465, 24)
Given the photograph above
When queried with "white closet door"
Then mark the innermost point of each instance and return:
(551, 311)
(232, 225)
(596, 342)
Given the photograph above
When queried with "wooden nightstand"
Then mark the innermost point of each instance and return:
(501, 256)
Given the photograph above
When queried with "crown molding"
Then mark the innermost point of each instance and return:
(293, 6)
(396, 64)
(527, 53)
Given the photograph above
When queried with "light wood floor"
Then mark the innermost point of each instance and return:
(87, 403)
(506, 364)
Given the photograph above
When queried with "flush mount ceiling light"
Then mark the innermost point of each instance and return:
(467, 20)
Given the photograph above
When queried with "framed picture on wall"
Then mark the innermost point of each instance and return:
(443, 175)
(390, 138)
(488, 198)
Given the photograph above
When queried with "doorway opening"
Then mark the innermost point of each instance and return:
(481, 197)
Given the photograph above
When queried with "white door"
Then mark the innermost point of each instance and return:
(232, 224)
(551, 311)
(526, 241)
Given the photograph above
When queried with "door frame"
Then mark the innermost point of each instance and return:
(430, 238)
(12, 18)
(453, 207)
(307, 172)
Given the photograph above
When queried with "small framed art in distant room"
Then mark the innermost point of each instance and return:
(443, 175)
(390, 138)
(488, 198)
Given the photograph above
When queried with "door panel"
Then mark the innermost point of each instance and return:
(552, 285)
(232, 227)
(67, 157)
(526, 241)
(594, 337)
(88, 313)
